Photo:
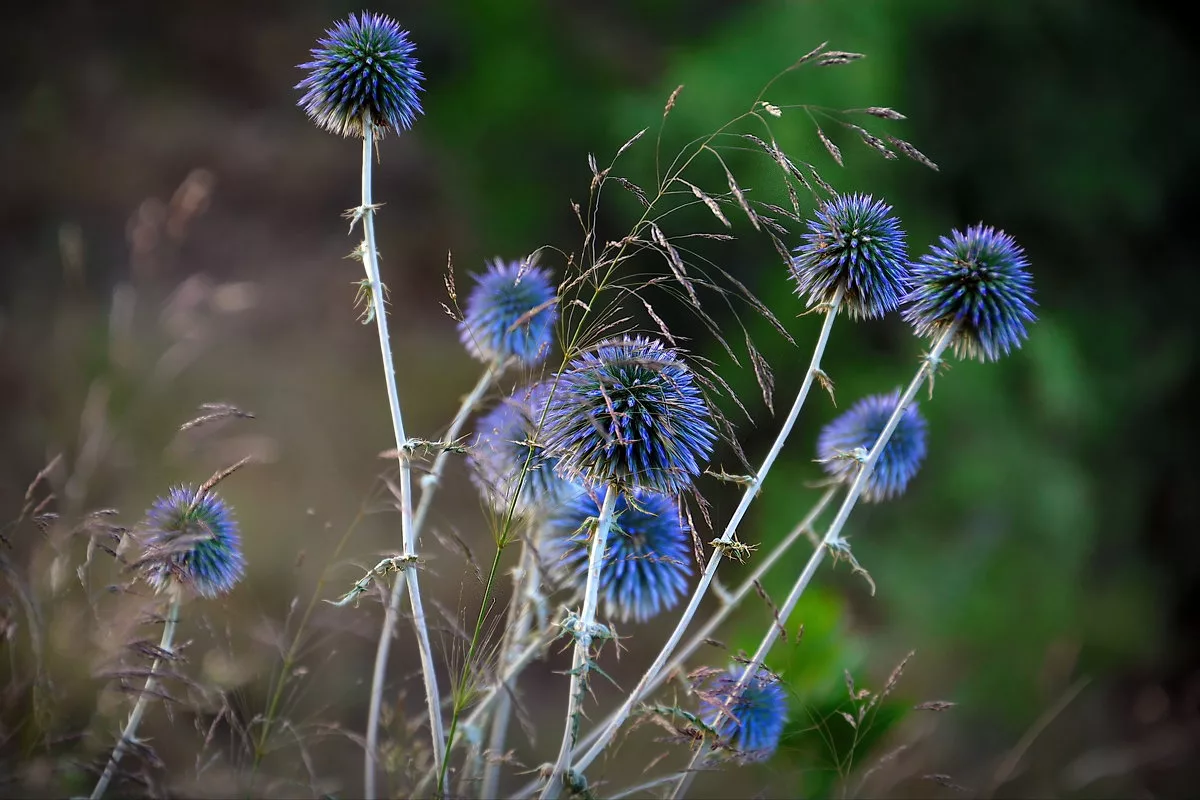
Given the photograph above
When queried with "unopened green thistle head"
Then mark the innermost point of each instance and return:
(364, 69)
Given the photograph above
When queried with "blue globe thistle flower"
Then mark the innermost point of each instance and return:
(364, 67)
(510, 314)
(978, 279)
(629, 413)
(506, 445)
(860, 426)
(646, 561)
(855, 244)
(193, 541)
(752, 722)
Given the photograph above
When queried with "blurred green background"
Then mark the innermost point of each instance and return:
(171, 236)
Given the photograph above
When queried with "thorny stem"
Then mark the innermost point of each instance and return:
(387, 632)
(370, 259)
(728, 604)
(832, 540)
(581, 664)
(519, 623)
(651, 674)
(135, 719)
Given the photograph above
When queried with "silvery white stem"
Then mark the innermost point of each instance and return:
(832, 535)
(583, 642)
(370, 257)
(139, 709)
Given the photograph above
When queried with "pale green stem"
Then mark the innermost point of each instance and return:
(651, 675)
(370, 258)
(519, 623)
(832, 536)
(139, 709)
(581, 664)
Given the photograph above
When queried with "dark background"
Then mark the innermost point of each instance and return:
(169, 236)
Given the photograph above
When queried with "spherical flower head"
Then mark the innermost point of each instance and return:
(193, 541)
(859, 427)
(979, 281)
(506, 447)
(855, 244)
(752, 721)
(363, 69)
(510, 314)
(646, 559)
(629, 413)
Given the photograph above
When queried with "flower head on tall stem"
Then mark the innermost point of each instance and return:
(363, 69)
(857, 430)
(979, 281)
(192, 542)
(750, 722)
(647, 560)
(628, 413)
(856, 244)
(510, 314)
(506, 447)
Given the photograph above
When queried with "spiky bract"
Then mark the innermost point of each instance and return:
(647, 558)
(979, 281)
(510, 314)
(192, 541)
(628, 413)
(856, 244)
(506, 448)
(364, 67)
(753, 720)
(859, 427)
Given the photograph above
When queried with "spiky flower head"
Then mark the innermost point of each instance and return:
(363, 68)
(510, 314)
(854, 433)
(628, 413)
(979, 281)
(857, 245)
(752, 720)
(506, 446)
(193, 542)
(646, 561)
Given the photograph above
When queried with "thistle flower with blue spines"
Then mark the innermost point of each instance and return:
(363, 69)
(192, 541)
(647, 559)
(629, 413)
(507, 446)
(510, 313)
(859, 427)
(751, 722)
(977, 281)
(856, 245)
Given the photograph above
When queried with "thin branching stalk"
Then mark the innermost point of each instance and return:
(129, 733)
(832, 539)
(525, 582)
(370, 258)
(387, 632)
(727, 538)
(584, 633)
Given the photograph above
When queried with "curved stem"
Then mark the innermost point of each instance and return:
(651, 674)
(370, 258)
(832, 535)
(583, 633)
(139, 709)
(387, 632)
